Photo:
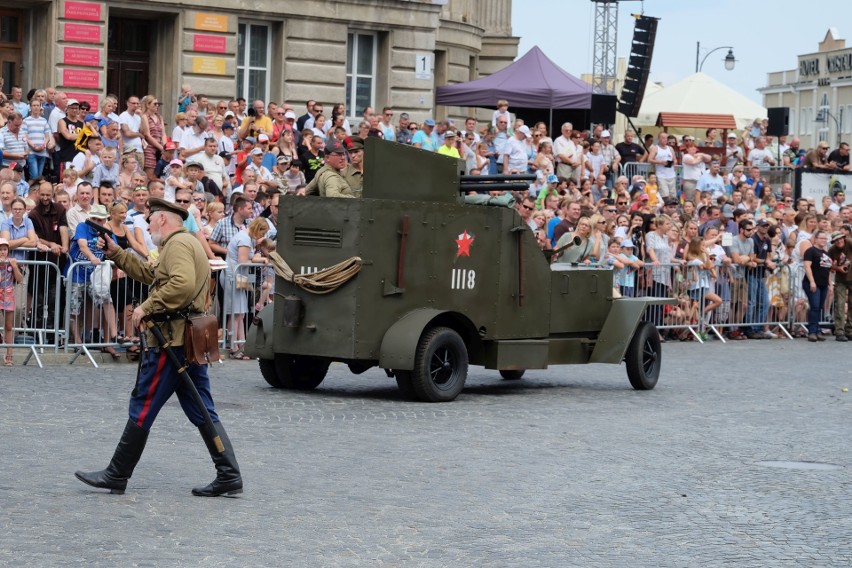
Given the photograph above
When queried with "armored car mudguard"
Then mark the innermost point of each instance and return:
(443, 284)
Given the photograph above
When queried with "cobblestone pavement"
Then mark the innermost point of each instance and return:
(568, 467)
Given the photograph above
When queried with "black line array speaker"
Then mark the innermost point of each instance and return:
(603, 109)
(779, 121)
(639, 65)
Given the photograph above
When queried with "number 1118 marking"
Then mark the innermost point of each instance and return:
(463, 279)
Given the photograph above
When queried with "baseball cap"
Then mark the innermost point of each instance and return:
(230, 113)
(834, 236)
(643, 197)
(670, 201)
(4, 242)
(256, 152)
(525, 130)
(72, 102)
(170, 145)
(429, 122)
(728, 210)
(290, 114)
(194, 165)
(640, 183)
(227, 126)
(606, 134)
(176, 162)
(450, 134)
(16, 166)
(283, 159)
(689, 138)
(89, 117)
(763, 223)
(552, 179)
(732, 134)
(627, 243)
(263, 138)
(250, 139)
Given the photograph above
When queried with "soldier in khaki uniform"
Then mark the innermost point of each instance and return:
(329, 180)
(181, 279)
(353, 173)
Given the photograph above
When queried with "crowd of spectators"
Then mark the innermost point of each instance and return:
(696, 205)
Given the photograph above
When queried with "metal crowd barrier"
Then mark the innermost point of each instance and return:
(775, 175)
(750, 298)
(34, 303)
(98, 309)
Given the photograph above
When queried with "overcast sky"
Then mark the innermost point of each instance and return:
(766, 35)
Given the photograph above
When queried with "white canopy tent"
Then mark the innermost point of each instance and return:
(698, 94)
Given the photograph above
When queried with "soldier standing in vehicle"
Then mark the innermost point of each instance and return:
(330, 180)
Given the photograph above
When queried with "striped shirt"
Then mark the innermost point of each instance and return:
(12, 143)
(37, 132)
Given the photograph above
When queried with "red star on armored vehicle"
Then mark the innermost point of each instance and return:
(464, 241)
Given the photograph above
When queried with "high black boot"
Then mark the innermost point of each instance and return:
(120, 468)
(228, 480)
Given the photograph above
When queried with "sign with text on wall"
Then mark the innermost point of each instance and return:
(211, 22)
(208, 65)
(88, 11)
(84, 33)
(209, 43)
(84, 56)
(91, 98)
(423, 66)
(84, 78)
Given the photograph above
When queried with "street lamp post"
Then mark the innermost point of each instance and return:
(730, 60)
(823, 115)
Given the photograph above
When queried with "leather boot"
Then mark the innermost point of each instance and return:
(120, 468)
(228, 480)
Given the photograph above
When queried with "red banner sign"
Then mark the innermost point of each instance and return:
(81, 78)
(85, 33)
(83, 11)
(82, 56)
(208, 43)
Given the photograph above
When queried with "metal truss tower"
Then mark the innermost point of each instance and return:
(605, 42)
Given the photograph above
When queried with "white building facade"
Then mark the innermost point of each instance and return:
(818, 92)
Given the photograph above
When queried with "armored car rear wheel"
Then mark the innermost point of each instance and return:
(511, 374)
(294, 372)
(644, 357)
(440, 365)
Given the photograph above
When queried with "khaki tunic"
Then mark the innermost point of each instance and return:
(181, 275)
(354, 178)
(329, 182)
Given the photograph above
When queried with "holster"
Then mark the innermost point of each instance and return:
(201, 339)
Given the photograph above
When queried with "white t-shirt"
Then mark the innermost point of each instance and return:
(760, 158)
(517, 152)
(133, 122)
(53, 121)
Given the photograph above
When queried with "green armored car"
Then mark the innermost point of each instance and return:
(427, 284)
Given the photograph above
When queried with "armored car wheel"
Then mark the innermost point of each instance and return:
(644, 357)
(512, 374)
(440, 365)
(294, 371)
(270, 373)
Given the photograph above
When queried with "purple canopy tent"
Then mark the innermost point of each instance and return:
(532, 83)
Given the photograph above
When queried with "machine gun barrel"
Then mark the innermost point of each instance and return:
(484, 184)
(500, 177)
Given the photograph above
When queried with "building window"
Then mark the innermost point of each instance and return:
(254, 45)
(360, 71)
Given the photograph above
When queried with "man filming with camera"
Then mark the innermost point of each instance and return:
(256, 122)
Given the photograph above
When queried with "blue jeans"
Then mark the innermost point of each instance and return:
(815, 302)
(35, 163)
(758, 302)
